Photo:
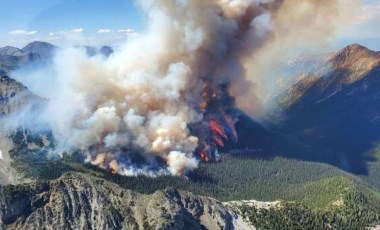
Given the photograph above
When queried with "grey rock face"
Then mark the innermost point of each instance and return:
(12, 58)
(42, 49)
(80, 201)
(9, 63)
(337, 112)
(14, 96)
(9, 90)
(10, 51)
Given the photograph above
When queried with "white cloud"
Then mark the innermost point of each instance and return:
(23, 32)
(71, 37)
(77, 30)
(104, 31)
(67, 32)
(126, 31)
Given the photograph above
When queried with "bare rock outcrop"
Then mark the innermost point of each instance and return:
(80, 201)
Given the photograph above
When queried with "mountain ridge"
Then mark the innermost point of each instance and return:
(337, 110)
(43, 49)
(11, 51)
(81, 201)
(37, 52)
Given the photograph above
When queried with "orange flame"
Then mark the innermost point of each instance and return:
(204, 156)
(216, 128)
(218, 141)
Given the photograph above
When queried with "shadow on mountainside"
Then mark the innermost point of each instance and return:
(334, 119)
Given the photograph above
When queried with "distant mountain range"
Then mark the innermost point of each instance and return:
(12, 58)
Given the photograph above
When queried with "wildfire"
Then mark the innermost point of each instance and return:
(204, 156)
(218, 141)
(217, 129)
(220, 128)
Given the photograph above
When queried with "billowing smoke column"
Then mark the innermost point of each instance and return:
(164, 101)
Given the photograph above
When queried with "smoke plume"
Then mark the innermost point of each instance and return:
(167, 97)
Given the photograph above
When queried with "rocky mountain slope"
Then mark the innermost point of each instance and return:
(10, 51)
(337, 111)
(14, 97)
(78, 201)
(43, 49)
(12, 58)
(323, 76)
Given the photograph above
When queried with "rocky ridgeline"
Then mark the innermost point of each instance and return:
(80, 201)
(14, 96)
(40, 53)
(331, 73)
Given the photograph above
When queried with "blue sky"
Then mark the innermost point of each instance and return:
(101, 22)
(83, 21)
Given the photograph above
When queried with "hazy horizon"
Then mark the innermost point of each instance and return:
(96, 23)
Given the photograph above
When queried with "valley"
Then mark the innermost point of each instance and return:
(317, 158)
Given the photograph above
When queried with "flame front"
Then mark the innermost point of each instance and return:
(204, 156)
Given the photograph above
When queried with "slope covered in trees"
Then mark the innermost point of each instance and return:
(237, 176)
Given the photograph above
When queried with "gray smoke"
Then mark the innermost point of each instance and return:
(142, 99)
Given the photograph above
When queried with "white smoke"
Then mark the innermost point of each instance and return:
(142, 98)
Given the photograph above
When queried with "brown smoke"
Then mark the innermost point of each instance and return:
(169, 94)
(298, 26)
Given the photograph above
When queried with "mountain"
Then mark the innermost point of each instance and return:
(14, 96)
(78, 201)
(341, 69)
(352, 210)
(90, 50)
(43, 49)
(12, 58)
(106, 51)
(319, 182)
(10, 51)
(337, 112)
(38, 53)
(333, 71)
(7, 63)
(16, 101)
